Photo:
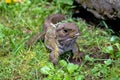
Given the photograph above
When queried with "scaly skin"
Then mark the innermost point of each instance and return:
(60, 38)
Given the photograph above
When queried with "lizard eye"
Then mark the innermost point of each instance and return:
(65, 31)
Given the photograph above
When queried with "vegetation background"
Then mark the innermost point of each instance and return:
(19, 21)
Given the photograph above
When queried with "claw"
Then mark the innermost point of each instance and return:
(77, 56)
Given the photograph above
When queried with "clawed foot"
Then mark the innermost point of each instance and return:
(77, 56)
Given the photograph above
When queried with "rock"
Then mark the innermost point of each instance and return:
(102, 9)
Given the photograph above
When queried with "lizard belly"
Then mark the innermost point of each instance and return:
(66, 45)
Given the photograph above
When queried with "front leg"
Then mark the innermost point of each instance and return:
(52, 44)
(76, 53)
(54, 56)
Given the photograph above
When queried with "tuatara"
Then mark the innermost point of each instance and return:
(59, 37)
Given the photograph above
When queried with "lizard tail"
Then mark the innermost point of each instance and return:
(39, 35)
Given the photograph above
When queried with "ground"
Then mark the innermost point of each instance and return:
(19, 21)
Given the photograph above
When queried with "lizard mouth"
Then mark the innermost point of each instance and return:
(68, 38)
(77, 34)
(73, 37)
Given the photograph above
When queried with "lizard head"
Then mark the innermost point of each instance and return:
(66, 31)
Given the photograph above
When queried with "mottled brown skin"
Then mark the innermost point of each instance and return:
(60, 38)
(54, 18)
(67, 34)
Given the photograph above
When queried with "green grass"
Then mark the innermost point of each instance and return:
(21, 20)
